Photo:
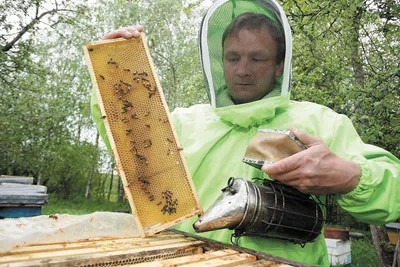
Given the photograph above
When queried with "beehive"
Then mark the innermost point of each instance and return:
(147, 152)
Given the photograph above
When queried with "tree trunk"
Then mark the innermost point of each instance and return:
(111, 178)
(90, 178)
(120, 190)
(381, 244)
(39, 179)
(358, 69)
(396, 257)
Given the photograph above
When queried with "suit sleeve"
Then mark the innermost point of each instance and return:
(376, 199)
(94, 107)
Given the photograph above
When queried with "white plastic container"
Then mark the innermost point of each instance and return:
(339, 251)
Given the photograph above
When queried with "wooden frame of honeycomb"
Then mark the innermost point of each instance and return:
(149, 158)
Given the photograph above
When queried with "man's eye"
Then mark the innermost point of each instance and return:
(259, 60)
(233, 59)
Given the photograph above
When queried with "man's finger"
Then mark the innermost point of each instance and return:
(118, 33)
(304, 137)
(126, 32)
(283, 166)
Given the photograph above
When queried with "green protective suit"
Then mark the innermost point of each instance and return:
(215, 137)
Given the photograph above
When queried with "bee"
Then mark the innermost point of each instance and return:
(151, 94)
(134, 116)
(110, 61)
(102, 77)
(147, 143)
(54, 217)
(147, 125)
(127, 106)
(126, 69)
(117, 88)
(147, 114)
(125, 83)
(179, 148)
(128, 89)
(128, 131)
(169, 140)
(103, 117)
(159, 203)
(90, 49)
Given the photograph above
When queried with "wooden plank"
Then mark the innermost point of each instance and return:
(89, 243)
(266, 263)
(29, 198)
(212, 244)
(188, 259)
(108, 257)
(16, 179)
(231, 260)
(19, 211)
(393, 236)
(10, 188)
(336, 233)
(132, 247)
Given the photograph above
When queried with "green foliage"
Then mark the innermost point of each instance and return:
(346, 57)
(80, 205)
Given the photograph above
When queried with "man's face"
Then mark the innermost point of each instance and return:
(250, 65)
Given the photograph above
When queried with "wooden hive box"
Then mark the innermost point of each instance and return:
(168, 248)
(149, 157)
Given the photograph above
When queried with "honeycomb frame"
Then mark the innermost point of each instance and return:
(143, 139)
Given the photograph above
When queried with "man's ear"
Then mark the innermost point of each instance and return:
(279, 69)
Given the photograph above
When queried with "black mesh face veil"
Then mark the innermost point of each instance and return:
(213, 25)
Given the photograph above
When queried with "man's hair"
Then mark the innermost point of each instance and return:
(252, 21)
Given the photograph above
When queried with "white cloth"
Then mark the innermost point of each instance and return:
(63, 228)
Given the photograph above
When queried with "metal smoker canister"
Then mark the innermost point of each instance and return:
(272, 210)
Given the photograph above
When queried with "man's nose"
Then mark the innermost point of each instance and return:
(243, 68)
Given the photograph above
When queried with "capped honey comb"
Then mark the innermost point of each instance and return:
(149, 157)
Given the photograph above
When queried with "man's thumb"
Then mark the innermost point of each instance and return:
(304, 137)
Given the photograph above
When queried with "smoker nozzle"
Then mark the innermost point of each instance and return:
(227, 211)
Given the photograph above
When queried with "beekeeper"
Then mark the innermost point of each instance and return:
(246, 52)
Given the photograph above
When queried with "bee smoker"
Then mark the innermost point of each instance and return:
(264, 208)
(271, 210)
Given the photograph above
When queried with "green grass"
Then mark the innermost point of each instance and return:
(363, 253)
(80, 205)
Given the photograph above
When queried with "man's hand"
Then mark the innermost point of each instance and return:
(125, 32)
(316, 170)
